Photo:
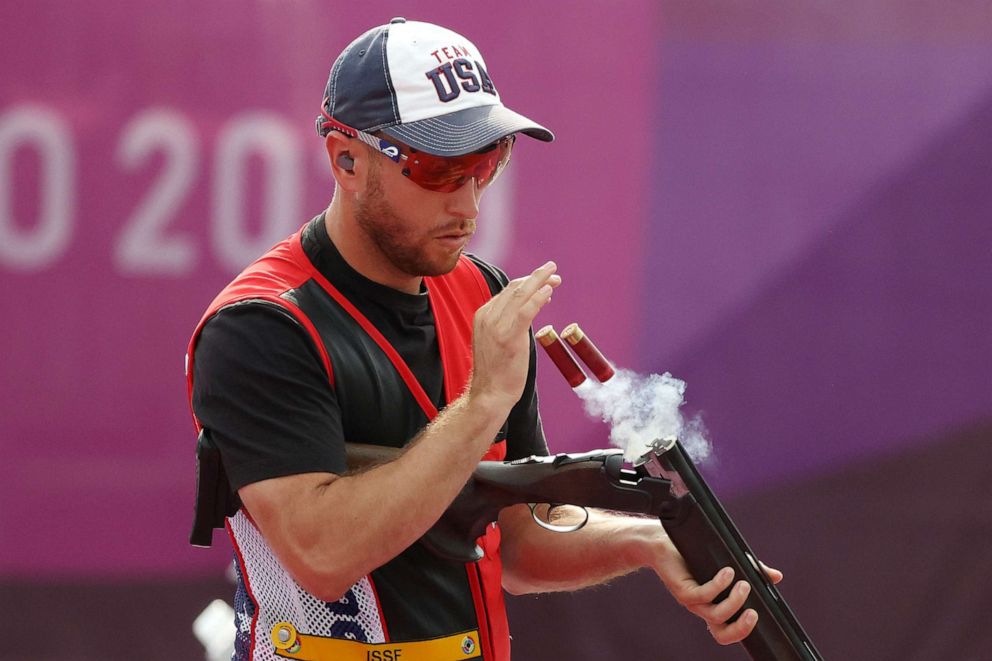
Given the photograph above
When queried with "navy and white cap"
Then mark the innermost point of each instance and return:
(423, 85)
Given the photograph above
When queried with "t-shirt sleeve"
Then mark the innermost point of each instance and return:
(524, 433)
(261, 389)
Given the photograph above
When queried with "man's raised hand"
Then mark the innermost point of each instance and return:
(501, 346)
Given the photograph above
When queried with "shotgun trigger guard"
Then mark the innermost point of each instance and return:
(556, 528)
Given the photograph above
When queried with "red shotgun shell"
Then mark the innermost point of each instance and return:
(588, 353)
(559, 355)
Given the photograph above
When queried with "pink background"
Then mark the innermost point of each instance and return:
(95, 426)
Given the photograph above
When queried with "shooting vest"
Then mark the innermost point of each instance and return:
(417, 606)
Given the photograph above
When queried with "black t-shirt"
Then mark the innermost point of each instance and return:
(259, 385)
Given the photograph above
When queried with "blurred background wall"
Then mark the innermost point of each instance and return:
(785, 204)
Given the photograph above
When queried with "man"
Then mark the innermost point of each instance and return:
(370, 325)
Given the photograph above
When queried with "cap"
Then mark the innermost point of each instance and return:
(423, 85)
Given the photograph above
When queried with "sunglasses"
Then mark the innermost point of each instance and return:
(442, 174)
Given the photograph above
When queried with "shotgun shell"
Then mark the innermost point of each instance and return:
(588, 353)
(559, 355)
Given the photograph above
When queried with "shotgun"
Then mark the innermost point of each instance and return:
(663, 483)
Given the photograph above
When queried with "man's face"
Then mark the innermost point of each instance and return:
(419, 232)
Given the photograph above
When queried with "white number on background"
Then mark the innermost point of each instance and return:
(268, 136)
(36, 127)
(143, 246)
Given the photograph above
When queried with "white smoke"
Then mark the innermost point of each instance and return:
(643, 409)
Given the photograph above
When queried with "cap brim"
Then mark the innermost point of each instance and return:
(466, 131)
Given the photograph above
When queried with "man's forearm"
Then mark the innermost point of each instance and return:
(337, 529)
(608, 546)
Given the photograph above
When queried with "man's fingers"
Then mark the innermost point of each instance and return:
(524, 297)
(727, 634)
(724, 610)
(530, 308)
(500, 339)
(774, 574)
(704, 594)
(521, 289)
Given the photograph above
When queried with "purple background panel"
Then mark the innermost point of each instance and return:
(820, 233)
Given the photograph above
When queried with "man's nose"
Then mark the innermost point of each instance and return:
(464, 202)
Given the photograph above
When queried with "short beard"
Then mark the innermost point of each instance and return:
(376, 217)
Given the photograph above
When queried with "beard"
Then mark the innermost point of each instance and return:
(406, 249)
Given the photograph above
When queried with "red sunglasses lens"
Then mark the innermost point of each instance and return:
(447, 174)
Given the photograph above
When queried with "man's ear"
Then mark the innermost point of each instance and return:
(342, 160)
